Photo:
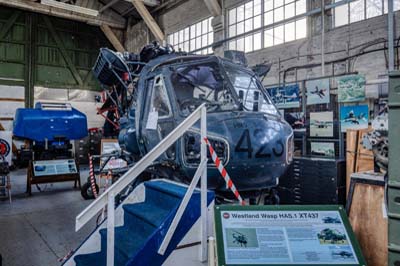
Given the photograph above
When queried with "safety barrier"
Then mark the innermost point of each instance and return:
(107, 199)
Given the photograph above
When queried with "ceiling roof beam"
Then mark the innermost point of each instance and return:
(57, 12)
(112, 38)
(214, 7)
(108, 5)
(149, 20)
(69, 7)
(129, 10)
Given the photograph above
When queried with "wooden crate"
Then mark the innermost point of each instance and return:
(358, 159)
(368, 218)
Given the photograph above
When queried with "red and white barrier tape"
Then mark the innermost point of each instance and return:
(63, 259)
(92, 177)
(224, 173)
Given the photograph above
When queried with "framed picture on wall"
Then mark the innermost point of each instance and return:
(285, 97)
(326, 149)
(321, 124)
(354, 117)
(317, 91)
(351, 88)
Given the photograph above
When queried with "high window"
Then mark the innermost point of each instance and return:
(360, 10)
(274, 14)
(194, 37)
(279, 10)
(242, 19)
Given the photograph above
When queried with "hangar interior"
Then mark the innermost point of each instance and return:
(199, 132)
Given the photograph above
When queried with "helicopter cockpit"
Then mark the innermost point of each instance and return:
(223, 87)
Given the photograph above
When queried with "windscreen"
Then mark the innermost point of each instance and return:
(249, 90)
(202, 83)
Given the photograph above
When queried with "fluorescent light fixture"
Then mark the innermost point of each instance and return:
(69, 7)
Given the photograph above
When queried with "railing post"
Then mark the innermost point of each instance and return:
(211, 251)
(110, 229)
(203, 198)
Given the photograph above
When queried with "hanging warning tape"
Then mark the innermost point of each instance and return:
(92, 177)
(224, 173)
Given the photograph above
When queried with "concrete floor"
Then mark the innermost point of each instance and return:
(38, 230)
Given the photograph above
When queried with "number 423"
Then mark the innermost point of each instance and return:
(244, 145)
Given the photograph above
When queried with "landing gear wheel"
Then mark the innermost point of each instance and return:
(86, 191)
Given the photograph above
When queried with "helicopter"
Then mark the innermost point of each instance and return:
(319, 92)
(155, 90)
(343, 254)
(332, 235)
(330, 220)
(239, 238)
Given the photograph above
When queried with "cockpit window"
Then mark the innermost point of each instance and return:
(202, 83)
(250, 91)
(159, 98)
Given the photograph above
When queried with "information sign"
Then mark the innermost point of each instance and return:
(285, 235)
(54, 167)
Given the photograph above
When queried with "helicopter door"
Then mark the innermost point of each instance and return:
(158, 118)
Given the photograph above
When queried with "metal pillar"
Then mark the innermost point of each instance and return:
(323, 38)
(393, 192)
(390, 35)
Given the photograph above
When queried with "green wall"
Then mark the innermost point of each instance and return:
(39, 50)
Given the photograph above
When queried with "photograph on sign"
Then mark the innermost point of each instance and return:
(285, 97)
(351, 88)
(321, 124)
(353, 117)
(317, 91)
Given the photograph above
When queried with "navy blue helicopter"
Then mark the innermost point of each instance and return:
(246, 130)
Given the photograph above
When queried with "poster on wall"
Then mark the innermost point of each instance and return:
(353, 117)
(351, 88)
(6, 146)
(296, 120)
(285, 97)
(317, 91)
(323, 149)
(321, 124)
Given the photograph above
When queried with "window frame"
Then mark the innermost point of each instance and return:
(165, 91)
(195, 33)
(239, 43)
(384, 10)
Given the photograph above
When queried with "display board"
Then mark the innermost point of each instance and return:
(54, 167)
(285, 235)
(51, 171)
